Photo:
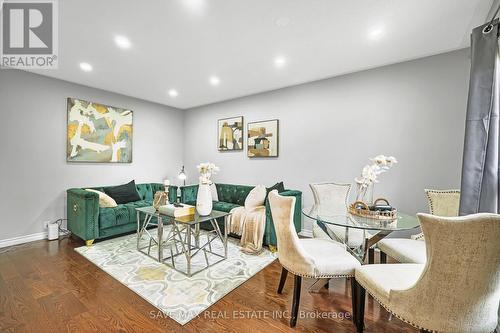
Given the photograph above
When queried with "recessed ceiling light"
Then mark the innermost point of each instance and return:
(376, 33)
(85, 66)
(195, 6)
(173, 93)
(122, 42)
(214, 80)
(280, 61)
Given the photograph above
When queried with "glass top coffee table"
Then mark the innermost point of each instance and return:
(183, 238)
(380, 229)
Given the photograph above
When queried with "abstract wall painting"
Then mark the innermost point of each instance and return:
(230, 134)
(98, 133)
(263, 138)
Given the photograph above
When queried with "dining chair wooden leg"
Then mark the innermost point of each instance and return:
(354, 300)
(296, 300)
(284, 274)
(383, 258)
(371, 256)
(360, 308)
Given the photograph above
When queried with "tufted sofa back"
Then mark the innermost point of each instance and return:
(147, 190)
(231, 193)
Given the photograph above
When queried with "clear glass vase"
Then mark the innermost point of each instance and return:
(365, 193)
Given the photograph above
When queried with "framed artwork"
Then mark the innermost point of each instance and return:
(263, 138)
(230, 134)
(98, 133)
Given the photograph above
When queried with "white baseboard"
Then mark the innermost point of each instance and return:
(23, 239)
(306, 233)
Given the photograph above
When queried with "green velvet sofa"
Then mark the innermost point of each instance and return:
(89, 222)
(231, 196)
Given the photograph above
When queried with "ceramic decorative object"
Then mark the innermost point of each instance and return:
(204, 200)
(160, 199)
(204, 197)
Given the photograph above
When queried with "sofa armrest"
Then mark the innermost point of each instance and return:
(82, 194)
(270, 233)
(296, 193)
(189, 193)
(83, 213)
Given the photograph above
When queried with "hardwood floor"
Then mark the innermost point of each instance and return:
(48, 287)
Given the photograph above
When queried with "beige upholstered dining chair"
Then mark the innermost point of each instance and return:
(456, 291)
(441, 203)
(334, 197)
(310, 258)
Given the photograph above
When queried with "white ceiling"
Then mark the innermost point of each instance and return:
(180, 44)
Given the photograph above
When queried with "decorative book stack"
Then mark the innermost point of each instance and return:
(177, 210)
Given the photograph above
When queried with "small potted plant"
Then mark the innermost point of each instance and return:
(204, 197)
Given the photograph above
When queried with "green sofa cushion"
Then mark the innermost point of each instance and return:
(110, 217)
(235, 194)
(224, 206)
(121, 214)
(123, 193)
(189, 194)
(131, 206)
(145, 191)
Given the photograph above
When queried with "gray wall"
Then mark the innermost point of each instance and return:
(328, 130)
(33, 169)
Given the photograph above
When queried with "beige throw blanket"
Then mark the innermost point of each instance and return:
(236, 220)
(250, 225)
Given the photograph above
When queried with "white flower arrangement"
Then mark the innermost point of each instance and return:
(207, 170)
(370, 172)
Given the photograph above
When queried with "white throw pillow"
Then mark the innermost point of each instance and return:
(105, 201)
(213, 190)
(256, 197)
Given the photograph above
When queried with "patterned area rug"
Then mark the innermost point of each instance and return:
(173, 293)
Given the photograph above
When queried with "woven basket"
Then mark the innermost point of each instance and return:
(360, 208)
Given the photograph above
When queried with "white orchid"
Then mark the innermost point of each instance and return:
(379, 160)
(391, 160)
(207, 170)
(384, 161)
(368, 175)
(370, 172)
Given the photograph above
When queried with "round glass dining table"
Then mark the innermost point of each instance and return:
(374, 230)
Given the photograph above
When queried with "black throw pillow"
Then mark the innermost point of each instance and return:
(278, 186)
(123, 193)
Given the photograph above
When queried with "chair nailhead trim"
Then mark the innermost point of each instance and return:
(419, 236)
(396, 315)
(319, 276)
(429, 200)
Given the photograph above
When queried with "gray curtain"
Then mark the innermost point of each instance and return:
(480, 174)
